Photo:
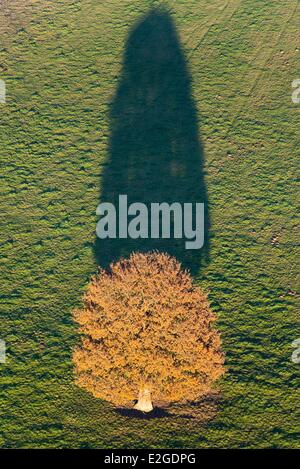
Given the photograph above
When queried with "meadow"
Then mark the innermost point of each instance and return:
(65, 64)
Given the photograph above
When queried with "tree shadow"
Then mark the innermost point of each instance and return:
(156, 413)
(201, 411)
(155, 153)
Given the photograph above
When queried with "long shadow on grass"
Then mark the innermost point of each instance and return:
(155, 153)
(202, 411)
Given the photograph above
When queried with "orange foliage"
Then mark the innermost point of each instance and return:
(145, 326)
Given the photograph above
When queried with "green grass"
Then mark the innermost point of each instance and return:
(62, 62)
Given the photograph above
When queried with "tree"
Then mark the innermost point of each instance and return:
(148, 334)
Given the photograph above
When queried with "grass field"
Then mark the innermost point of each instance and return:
(63, 63)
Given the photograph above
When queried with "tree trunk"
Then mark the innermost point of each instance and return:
(144, 402)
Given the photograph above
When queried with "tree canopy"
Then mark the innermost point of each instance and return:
(147, 334)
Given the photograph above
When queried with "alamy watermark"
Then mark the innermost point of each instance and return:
(296, 92)
(2, 351)
(160, 220)
(296, 353)
(2, 92)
